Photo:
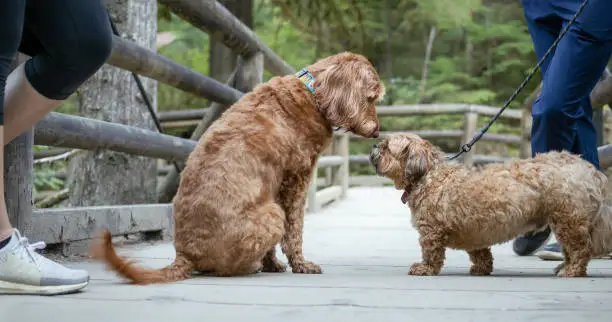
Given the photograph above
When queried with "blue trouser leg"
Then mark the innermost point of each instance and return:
(562, 115)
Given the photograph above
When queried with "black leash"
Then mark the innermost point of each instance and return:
(468, 146)
(144, 95)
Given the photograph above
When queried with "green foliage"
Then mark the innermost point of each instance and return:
(281, 36)
(45, 175)
(45, 178)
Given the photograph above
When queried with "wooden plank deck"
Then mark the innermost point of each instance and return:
(364, 245)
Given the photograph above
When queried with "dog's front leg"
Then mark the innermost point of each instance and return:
(293, 199)
(433, 250)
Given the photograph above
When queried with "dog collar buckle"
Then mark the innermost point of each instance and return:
(405, 197)
(306, 77)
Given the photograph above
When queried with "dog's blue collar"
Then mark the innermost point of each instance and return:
(306, 77)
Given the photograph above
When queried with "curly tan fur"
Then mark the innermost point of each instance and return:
(471, 209)
(244, 187)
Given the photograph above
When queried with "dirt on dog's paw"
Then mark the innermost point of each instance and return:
(420, 269)
(307, 268)
(274, 267)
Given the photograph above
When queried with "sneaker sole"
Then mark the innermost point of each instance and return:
(24, 289)
(550, 256)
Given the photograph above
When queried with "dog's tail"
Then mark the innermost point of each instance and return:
(105, 251)
(601, 231)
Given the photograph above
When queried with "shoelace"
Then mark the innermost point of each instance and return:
(30, 249)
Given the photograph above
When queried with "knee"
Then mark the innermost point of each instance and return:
(92, 52)
(75, 59)
(551, 111)
(547, 113)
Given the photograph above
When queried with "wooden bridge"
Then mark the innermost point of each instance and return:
(356, 228)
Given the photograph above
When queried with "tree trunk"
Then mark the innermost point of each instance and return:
(222, 60)
(430, 41)
(489, 50)
(469, 54)
(388, 57)
(106, 177)
(19, 174)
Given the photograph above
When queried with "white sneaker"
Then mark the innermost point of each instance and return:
(24, 271)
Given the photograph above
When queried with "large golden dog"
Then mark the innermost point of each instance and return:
(244, 187)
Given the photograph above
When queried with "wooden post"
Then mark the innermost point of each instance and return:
(471, 121)
(18, 175)
(526, 120)
(312, 192)
(248, 74)
(340, 174)
(103, 177)
(329, 173)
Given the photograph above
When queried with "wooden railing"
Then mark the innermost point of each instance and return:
(335, 183)
(335, 163)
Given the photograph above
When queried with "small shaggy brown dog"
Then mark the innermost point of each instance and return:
(456, 207)
(244, 187)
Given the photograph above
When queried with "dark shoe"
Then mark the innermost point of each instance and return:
(530, 242)
(551, 252)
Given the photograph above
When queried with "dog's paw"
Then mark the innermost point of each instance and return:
(480, 270)
(420, 269)
(307, 268)
(274, 267)
(564, 272)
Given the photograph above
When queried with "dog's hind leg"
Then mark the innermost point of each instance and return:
(251, 238)
(433, 249)
(482, 261)
(576, 242)
(272, 264)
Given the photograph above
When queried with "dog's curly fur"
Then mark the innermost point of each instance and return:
(243, 189)
(457, 207)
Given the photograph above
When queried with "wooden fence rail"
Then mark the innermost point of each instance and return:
(130, 56)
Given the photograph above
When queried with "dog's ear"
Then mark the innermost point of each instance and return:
(416, 166)
(339, 87)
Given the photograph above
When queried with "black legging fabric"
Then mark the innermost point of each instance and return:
(68, 40)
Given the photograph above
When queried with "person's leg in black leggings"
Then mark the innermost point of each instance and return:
(68, 41)
(11, 24)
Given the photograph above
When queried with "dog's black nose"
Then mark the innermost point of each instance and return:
(374, 145)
